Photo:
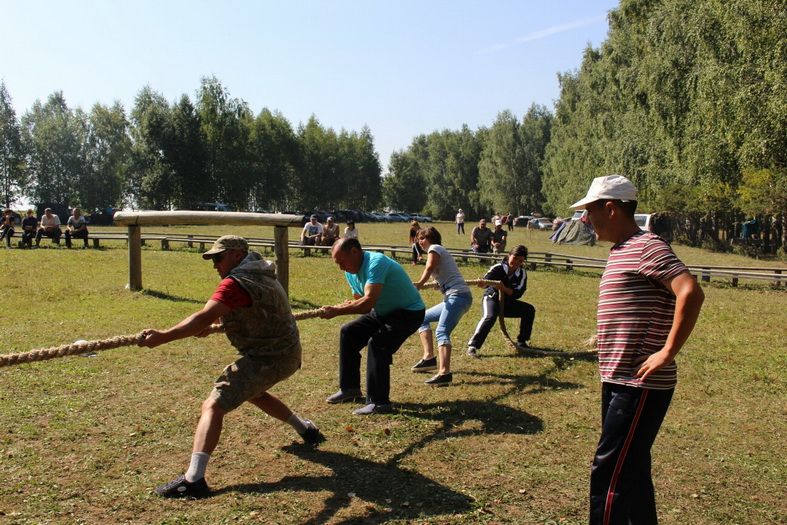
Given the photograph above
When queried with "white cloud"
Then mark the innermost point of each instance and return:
(544, 33)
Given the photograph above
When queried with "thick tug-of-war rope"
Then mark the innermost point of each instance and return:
(86, 347)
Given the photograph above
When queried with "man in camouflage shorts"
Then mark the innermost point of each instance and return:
(259, 323)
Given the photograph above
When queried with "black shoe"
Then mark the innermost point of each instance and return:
(440, 379)
(312, 435)
(472, 352)
(345, 396)
(180, 488)
(425, 365)
(371, 408)
(522, 344)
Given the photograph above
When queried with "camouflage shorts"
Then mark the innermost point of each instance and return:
(249, 377)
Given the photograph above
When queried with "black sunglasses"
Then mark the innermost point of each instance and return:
(217, 257)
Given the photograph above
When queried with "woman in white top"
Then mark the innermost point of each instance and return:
(457, 299)
(351, 232)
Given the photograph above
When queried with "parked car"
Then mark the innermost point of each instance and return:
(421, 218)
(577, 215)
(522, 220)
(644, 221)
(541, 224)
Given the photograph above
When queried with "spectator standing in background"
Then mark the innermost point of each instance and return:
(460, 222)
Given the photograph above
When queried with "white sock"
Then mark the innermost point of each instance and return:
(199, 462)
(297, 423)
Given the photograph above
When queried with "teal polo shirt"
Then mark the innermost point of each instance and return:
(398, 290)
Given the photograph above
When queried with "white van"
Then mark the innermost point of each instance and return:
(644, 221)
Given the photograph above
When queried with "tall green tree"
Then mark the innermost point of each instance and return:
(502, 169)
(319, 180)
(13, 176)
(186, 156)
(403, 186)
(108, 158)
(274, 152)
(56, 140)
(226, 127)
(151, 182)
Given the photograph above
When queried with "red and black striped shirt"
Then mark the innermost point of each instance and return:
(635, 310)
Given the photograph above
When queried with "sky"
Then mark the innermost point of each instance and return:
(401, 67)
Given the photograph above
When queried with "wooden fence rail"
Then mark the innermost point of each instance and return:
(777, 276)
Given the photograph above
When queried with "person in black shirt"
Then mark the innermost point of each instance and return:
(513, 283)
(29, 227)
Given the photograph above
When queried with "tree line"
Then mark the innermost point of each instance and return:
(165, 155)
(687, 98)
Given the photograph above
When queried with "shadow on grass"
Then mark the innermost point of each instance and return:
(493, 417)
(577, 355)
(531, 384)
(302, 304)
(169, 297)
(383, 484)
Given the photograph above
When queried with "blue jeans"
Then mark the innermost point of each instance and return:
(447, 315)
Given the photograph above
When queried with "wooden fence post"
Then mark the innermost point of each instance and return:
(282, 252)
(134, 258)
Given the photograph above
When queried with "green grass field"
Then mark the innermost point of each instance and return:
(83, 440)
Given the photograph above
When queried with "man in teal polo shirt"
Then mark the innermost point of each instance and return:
(392, 310)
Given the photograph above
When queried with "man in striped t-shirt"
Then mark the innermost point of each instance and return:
(647, 307)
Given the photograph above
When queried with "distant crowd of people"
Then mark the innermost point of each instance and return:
(48, 226)
(316, 234)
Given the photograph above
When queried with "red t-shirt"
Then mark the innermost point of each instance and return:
(231, 294)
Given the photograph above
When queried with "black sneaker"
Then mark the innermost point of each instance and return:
(472, 352)
(345, 396)
(312, 435)
(180, 488)
(372, 408)
(522, 344)
(425, 365)
(440, 379)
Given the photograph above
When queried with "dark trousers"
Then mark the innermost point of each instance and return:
(621, 488)
(526, 312)
(81, 234)
(417, 252)
(27, 238)
(54, 235)
(6, 233)
(460, 228)
(383, 335)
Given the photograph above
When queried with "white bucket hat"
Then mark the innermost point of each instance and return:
(613, 187)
